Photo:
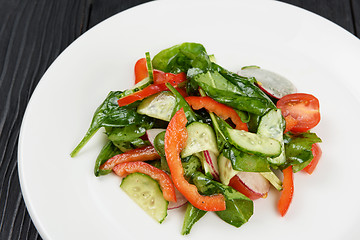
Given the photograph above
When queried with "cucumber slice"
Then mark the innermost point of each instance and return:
(201, 137)
(225, 169)
(253, 143)
(272, 125)
(158, 106)
(149, 67)
(146, 192)
(137, 87)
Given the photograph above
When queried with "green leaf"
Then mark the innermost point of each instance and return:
(159, 145)
(191, 166)
(108, 151)
(109, 114)
(182, 57)
(242, 161)
(130, 132)
(237, 212)
(298, 149)
(192, 215)
(224, 91)
(239, 208)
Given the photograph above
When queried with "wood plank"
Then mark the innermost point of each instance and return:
(336, 11)
(32, 35)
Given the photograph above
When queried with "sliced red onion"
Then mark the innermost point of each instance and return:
(152, 133)
(180, 201)
(271, 83)
(211, 160)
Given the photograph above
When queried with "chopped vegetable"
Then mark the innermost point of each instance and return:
(304, 108)
(175, 137)
(139, 154)
(166, 185)
(140, 70)
(287, 192)
(316, 151)
(219, 109)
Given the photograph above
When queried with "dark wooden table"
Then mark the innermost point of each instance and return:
(32, 34)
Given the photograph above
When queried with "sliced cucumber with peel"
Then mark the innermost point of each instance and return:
(158, 106)
(201, 137)
(146, 192)
(253, 143)
(272, 125)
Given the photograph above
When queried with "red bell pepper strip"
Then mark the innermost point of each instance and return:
(219, 109)
(316, 151)
(290, 122)
(164, 180)
(139, 154)
(287, 192)
(173, 79)
(140, 70)
(175, 140)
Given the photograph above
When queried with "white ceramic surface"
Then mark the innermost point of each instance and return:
(65, 199)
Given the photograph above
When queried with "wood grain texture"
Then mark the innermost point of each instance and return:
(32, 34)
(355, 12)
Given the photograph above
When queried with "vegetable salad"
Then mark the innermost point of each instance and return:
(193, 134)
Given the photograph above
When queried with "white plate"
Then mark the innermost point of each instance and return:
(65, 199)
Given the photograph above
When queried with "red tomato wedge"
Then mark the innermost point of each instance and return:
(219, 109)
(175, 139)
(140, 70)
(164, 180)
(287, 192)
(304, 108)
(316, 151)
(290, 123)
(139, 154)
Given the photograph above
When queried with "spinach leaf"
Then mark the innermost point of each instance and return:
(298, 149)
(108, 151)
(242, 161)
(109, 114)
(128, 145)
(130, 132)
(253, 122)
(237, 212)
(159, 145)
(192, 215)
(239, 208)
(191, 166)
(228, 92)
(246, 85)
(182, 57)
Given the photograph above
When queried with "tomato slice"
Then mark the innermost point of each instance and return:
(140, 70)
(316, 151)
(303, 107)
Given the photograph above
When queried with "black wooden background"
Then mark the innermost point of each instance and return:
(32, 34)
